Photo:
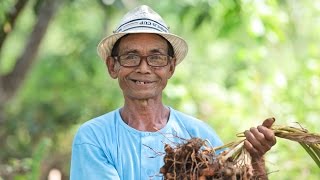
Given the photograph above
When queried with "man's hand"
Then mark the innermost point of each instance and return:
(260, 139)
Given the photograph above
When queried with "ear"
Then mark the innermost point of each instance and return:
(172, 67)
(112, 67)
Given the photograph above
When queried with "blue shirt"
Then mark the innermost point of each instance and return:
(107, 148)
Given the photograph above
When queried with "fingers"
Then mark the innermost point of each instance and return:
(259, 140)
(253, 152)
(268, 122)
(268, 134)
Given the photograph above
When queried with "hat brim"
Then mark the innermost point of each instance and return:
(179, 45)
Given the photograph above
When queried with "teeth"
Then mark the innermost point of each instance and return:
(140, 82)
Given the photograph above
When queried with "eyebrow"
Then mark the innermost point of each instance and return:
(157, 51)
(127, 51)
(134, 51)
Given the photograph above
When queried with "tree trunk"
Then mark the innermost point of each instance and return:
(10, 83)
(10, 20)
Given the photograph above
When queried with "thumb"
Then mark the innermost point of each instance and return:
(268, 122)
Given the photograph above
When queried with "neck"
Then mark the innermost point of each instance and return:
(145, 115)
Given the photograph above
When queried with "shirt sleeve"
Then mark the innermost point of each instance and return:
(89, 162)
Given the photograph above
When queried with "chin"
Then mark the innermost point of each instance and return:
(144, 96)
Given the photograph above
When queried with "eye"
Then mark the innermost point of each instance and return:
(155, 57)
(130, 57)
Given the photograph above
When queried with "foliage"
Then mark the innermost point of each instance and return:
(248, 59)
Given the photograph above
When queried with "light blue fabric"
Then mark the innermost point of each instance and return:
(107, 148)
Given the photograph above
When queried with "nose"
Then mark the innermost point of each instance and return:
(143, 66)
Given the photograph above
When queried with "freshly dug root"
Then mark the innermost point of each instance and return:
(196, 160)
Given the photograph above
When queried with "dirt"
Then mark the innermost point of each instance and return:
(195, 160)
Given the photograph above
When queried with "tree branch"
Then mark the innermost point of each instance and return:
(10, 20)
(10, 83)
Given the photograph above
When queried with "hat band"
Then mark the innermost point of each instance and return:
(148, 23)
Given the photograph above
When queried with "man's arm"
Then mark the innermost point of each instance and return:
(259, 141)
(90, 162)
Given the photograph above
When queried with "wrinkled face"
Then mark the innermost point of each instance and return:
(143, 81)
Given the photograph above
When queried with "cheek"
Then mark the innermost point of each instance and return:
(165, 78)
(117, 68)
(169, 74)
(121, 76)
(122, 84)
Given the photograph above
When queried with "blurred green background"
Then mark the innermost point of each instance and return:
(248, 60)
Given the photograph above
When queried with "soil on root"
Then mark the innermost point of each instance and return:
(195, 160)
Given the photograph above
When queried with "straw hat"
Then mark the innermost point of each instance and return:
(143, 20)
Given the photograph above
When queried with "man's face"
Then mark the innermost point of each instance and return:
(143, 81)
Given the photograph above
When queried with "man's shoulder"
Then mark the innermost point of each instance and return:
(97, 127)
(102, 120)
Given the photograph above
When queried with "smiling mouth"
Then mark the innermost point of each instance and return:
(141, 82)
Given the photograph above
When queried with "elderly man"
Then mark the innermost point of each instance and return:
(127, 142)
